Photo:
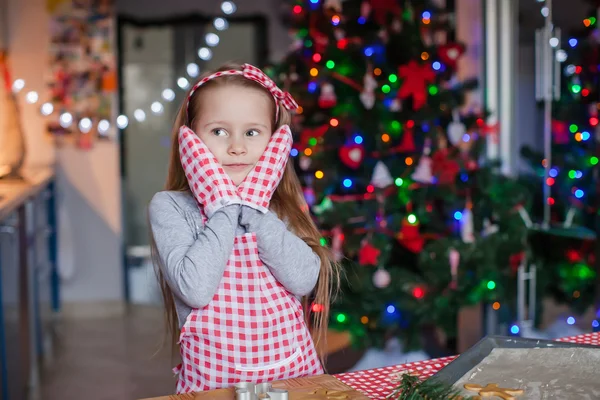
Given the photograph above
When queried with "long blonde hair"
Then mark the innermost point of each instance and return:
(287, 202)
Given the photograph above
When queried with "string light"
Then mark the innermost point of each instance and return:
(307, 152)
(330, 64)
(390, 309)
(496, 306)
(385, 138)
(341, 318)
(297, 9)
(85, 125)
(122, 121)
(571, 321)
(408, 161)
(491, 285)
(515, 329)
(412, 219)
(316, 57)
(334, 122)
(220, 24)
(228, 7)
(364, 320)
(314, 72)
(319, 174)
(317, 307)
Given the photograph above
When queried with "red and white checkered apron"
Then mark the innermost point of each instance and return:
(253, 329)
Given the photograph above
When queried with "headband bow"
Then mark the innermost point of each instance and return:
(254, 74)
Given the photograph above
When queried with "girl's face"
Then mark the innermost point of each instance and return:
(235, 124)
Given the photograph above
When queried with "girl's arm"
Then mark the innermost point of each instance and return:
(290, 259)
(193, 268)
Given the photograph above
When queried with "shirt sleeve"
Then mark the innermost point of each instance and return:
(293, 263)
(193, 268)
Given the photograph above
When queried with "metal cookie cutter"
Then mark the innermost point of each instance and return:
(251, 391)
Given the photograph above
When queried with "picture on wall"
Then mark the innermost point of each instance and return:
(82, 77)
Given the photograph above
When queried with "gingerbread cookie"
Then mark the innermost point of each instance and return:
(492, 389)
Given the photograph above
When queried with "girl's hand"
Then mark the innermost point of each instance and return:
(210, 184)
(260, 184)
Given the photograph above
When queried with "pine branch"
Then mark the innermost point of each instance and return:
(413, 388)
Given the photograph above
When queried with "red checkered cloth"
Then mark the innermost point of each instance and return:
(252, 330)
(210, 184)
(258, 187)
(379, 383)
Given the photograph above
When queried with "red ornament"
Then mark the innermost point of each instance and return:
(449, 53)
(352, 156)
(444, 168)
(416, 77)
(309, 133)
(410, 237)
(515, 261)
(368, 254)
(381, 8)
(407, 145)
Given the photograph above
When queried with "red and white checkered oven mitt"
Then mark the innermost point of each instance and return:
(260, 184)
(209, 183)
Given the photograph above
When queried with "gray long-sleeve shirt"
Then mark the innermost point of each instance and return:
(194, 256)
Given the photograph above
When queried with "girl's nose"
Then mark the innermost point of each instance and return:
(237, 146)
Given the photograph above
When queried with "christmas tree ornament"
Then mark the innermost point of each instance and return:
(450, 53)
(456, 129)
(466, 223)
(367, 95)
(368, 254)
(335, 5)
(305, 163)
(415, 77)
(352, 155)
(410, 237)
(337, 242)
(381, 176)
(327, 98)
(488, 228)
(383, 8)
(308, 134)
(395, 105)
(365, 9)
(454, 258)
(407, 144)
(423, 172)
(381, 278)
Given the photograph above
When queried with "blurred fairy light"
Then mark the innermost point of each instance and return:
(47, 109)
(228, 7)
(205, 53)
(183, 83)
(193, 70)
(212, 39)
(168, 94)
(18, 85)
(220, 24)
(85, 125)
(65, 119)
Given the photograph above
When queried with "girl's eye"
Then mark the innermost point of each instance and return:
(219, 132)
(252, 132)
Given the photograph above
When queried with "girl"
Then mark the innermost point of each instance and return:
(230, 270)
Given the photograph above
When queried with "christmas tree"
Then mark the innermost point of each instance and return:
(392, 167)
(567, 246)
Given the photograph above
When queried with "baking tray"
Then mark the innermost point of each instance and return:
(470, 358)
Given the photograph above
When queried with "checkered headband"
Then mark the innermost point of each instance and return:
(254, 74)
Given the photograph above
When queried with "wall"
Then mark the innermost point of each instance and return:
(89, 196)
